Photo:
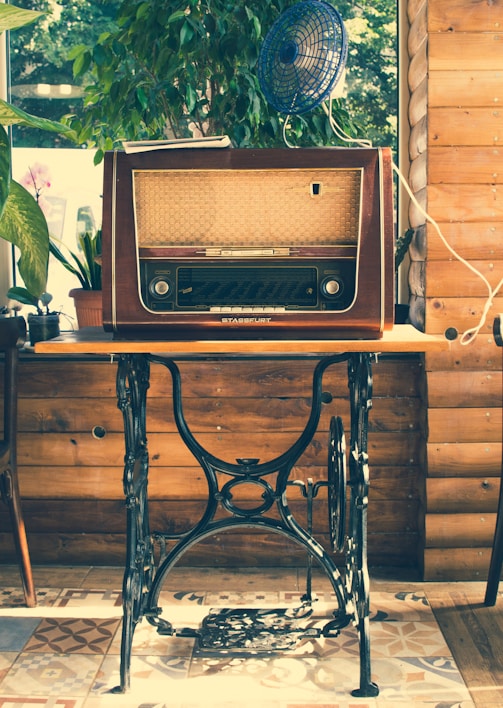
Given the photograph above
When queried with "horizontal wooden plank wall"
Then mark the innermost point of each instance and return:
(71, 451)
(458, 177)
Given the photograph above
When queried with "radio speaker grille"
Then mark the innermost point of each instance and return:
(233, 208)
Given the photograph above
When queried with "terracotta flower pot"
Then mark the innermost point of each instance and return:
(88, 306)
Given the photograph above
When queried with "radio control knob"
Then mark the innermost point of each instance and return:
(160, 287)
(331, 287)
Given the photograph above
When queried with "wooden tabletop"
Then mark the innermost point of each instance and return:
(94, 340)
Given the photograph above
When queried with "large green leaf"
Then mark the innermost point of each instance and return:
(12, 17)
(23, 224)
(5, 160)
(10, 115)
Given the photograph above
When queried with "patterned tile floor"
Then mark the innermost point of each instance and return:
(65, 654)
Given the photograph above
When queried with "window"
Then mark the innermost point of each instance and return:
(64, 176)
(42, 83)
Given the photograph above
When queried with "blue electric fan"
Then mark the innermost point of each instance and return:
(302, 57)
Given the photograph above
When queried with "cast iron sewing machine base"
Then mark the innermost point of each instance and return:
(144, 575)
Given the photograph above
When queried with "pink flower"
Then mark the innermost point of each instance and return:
(37, 179)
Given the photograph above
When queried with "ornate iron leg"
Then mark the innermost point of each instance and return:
(143, 582)
(132, 386)
(253, 473)
(360, 388)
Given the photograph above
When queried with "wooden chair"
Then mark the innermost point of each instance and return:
(12, 336)
(497, 553)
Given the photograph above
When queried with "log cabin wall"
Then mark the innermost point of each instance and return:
(71, 450)
(456, 116)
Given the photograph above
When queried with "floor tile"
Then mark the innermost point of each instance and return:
(242, 598)
(66, 653)
(81, 597)
(401, 606)
(151, 676)
(396, 639)
(419, 680)
(6, 661)
(305, 680)
(65, 636)
(14, 597)
(47, 674)
(190, 597)
(15, 632)
(147, 641)
(297, 597)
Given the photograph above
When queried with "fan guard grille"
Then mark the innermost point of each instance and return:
(302, 57)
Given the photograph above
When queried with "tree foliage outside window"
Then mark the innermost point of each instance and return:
(39, 55)
(158, 68)
(372, 98)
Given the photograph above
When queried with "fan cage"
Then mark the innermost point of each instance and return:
(302, 57)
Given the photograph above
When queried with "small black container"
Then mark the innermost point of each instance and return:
(43, 327)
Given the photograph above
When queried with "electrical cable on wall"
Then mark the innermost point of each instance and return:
(470, 334)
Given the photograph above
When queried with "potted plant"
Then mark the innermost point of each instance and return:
(43, 323)
(22, 221)
(86, 266)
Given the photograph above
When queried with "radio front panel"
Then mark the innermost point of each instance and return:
(248, 243)
(257, 287)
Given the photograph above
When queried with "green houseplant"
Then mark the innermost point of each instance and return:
(178, 70)
(86, 267)
(22, 221)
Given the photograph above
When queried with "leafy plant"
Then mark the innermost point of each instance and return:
(372, 80)
(402, 246)
(177, 69)
(22, 221)
(86, 266)
(38, 54)
(22, 295)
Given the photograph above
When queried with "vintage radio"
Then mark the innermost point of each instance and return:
(267, 243)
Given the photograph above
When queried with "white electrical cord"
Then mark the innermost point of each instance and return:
(286, 125)
(339, 132)
(470, 334)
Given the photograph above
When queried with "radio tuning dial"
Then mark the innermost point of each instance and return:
(160, 287)
(331, 287)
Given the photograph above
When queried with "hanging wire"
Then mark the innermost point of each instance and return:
(469, 335)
